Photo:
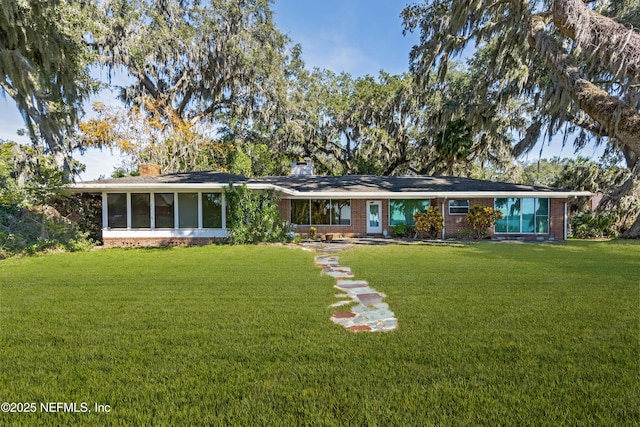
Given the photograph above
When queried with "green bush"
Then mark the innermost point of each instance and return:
(29, 231)
(480, 218)
(399, 230)
(428, 223)
(402, 230)
(587, 225)
(253, 216)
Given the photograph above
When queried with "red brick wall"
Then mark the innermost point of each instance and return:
(455, 225)
(358, 225)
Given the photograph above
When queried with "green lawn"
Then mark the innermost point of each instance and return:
(489, 334)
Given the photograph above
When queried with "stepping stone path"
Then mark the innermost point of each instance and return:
(370, 312)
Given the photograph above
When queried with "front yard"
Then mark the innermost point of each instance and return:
(491, 333)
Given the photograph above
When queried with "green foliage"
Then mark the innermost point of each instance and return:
(312, 232)
(454, 143)
(84, 210)
(45, 61)
(399, 230)
(480, 218)
(429, 223)
(31, 184)
(28, 231)
(585, 225)
(253, 216)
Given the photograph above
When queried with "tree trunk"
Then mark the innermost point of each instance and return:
(634, 231)
(620, 119)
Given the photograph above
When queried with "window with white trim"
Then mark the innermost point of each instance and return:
(458, 207)
(117, 210)
(163, 209)
(140, 210)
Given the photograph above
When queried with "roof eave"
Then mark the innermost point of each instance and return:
(439, 194)
(123, 187)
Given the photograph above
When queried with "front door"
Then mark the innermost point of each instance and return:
(374, 217)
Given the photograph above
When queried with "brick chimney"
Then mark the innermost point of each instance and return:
(147, 169)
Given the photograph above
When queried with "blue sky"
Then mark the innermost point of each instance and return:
(356, 36)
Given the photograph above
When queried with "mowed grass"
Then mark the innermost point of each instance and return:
(489, 334)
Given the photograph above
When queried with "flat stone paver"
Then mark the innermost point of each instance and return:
(369, 313)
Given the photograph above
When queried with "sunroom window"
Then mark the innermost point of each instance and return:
(211, 210)
(163, 208)
(140, 210)
(117, 210)
(188, 210)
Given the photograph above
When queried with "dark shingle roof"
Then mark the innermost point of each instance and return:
(329, 186)
(400, 184)
(199, 177)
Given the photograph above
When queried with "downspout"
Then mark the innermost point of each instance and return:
(565, 221)
(444, 202)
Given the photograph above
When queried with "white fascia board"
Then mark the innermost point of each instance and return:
(283, 190)
(126, 187)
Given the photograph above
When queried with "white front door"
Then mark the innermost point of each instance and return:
(374, 217)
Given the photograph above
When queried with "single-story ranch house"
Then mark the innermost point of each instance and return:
(189, 208)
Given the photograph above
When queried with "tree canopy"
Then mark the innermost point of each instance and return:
(560, 66)
(44, 67)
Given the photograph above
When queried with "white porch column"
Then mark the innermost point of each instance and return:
(129, 211)
(224, 210)
(105, 211)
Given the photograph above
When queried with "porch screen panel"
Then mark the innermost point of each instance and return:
(300, 212)
(117, 210)
(211, 210)
(140, 210)
(341, 212)
(188, 210)
(402, 211)
(163, 210)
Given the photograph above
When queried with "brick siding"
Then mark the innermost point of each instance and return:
(154, 241)
(455, 225)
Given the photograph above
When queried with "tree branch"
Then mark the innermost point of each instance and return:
(616, 45)
(619, 119)
(590, 126)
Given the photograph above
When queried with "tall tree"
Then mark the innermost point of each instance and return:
(202, 65)
(576, 62)
(44, 67)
